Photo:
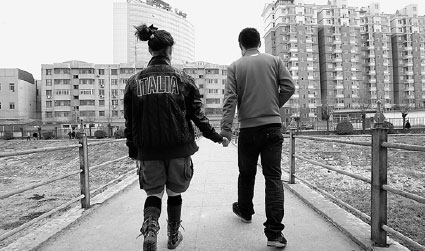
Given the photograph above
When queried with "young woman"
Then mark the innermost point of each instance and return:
(160, 104)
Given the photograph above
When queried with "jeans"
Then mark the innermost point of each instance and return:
(265, 141)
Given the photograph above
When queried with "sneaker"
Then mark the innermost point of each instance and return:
(238, 213)
(278, 242)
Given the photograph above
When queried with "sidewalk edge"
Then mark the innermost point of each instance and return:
(357, 230)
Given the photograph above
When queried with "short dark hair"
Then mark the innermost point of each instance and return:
(157, 39)
(249, 38)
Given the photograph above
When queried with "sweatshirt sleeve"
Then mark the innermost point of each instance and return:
(286, 83)
(230, 100)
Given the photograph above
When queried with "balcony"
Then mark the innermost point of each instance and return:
(309, 41)
(337, 50)
(340, 105)
(411, 96)
(372, 80)
(293, 40)
(337, 60)
(386, 72)
(293, 68)
(296, 95)
(310, 59)
(371, 64)
(354, 77)
(353, 51)
(293, 59)
(309, 50)
(339, 87)
(408, 48)
(408, 73)
(310, 77)
(407, 56)
(354, 60)
(423, 81)
(409, 63)
(386, 96)
(371, 47)
(353, 69)
(373, 88)
(338, 77)
(339, 96)
(295, 77)
(336, 42)
(311, 87)
(387, 81)
(410, 88)
(312, 106)
(371, 73)
(409, 81)
(293, 49)
(311, 96)
(338, 68)
(310, 68)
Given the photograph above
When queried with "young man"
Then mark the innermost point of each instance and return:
(258, 84)
(160, 104)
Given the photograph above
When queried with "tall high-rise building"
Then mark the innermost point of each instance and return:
(377, 56)
(291, 33)
(408, 44)
(127, 15)
(340, 56)
(17, 95)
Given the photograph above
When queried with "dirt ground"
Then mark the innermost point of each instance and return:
(406, 171)
(21, 171)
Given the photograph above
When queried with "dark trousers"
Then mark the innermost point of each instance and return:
(265, 141)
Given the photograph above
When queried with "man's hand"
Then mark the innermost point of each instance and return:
(225, 142)
(227, 134)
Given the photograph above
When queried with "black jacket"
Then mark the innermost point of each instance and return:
(159, 104)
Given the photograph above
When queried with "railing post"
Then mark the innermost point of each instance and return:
(379, 178)
(292, 127)
(84, 175)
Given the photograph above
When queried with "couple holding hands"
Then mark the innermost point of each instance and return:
(160, 104)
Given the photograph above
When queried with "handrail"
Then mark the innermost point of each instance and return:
(45, 215)
(17, 191)
(355, 176)
(379, 145)
(359, 143)
(403, 146)
(84, 178)
(403, 237)
(39, 150)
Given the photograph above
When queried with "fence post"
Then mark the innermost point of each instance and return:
(379, 178)
(84, 175)
(292, 126)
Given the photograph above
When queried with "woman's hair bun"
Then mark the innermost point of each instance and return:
(144, 33)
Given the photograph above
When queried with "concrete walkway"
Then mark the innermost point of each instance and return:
(208, 221)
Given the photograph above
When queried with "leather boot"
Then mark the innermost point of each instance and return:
(174, 235)
(150, 228)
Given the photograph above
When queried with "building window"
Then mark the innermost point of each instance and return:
(114, 102)
(101, 102)
(114, 71)
(114, 81)
(101, 83)
(114, 113)
(12, 87)
(48, 103)
(101, 113)
(114, 93)
(101, 71)
(101, 92)
(48, 71)
(49, 114)
(12, 106)
(48, 82)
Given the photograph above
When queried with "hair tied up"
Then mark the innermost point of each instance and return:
(145, 33)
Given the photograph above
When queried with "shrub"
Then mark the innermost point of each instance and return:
(48, 135)
(8, 135)
(388, 125)
(99, 134)
(344, 128)
(119, 134)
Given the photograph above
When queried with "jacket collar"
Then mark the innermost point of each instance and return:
(251, 52)
(159, 60)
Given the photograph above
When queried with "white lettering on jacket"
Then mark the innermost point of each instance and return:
(157, 84)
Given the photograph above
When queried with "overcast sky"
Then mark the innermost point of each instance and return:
(35, 32)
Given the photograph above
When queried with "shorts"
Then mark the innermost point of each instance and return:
(175, 174)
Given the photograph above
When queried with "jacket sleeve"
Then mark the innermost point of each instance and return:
(286, 83)
(132, 149)
(230, 100)
(194, 105)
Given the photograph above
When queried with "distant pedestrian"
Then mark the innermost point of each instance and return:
(258, 84)
(69, 134)
(407, 125)
(35, 135)
(73, 134)
(160, 104)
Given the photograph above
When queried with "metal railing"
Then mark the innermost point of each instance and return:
(83, 172)
(379, 147)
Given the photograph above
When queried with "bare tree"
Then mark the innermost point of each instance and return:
(327, 112)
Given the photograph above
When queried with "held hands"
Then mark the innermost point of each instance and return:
(225, 142)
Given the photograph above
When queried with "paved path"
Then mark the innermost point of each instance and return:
(207, 216)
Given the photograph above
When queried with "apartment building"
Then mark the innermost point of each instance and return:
(17, 95)
(127, 15)
(408, 44)
(377, 56)
(291, 33)
(340, 56)
(76, 91)
(210, 79)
